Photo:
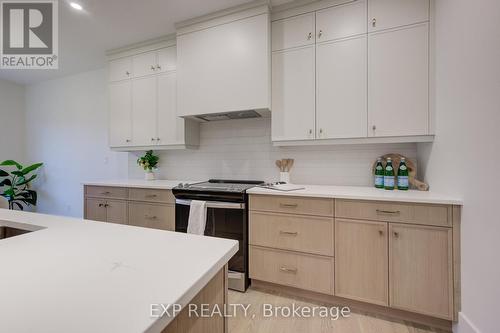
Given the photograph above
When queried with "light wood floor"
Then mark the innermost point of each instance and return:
(356, 323)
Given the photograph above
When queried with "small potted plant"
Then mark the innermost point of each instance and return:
(148, 162)
(15, 184)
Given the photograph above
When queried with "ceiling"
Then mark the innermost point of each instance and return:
(84, 36)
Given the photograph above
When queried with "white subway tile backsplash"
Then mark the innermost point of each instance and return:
(242, 149)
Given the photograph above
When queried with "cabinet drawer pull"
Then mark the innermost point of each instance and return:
(101, 205)
(396, 234)
(151, 196)
(309, 36)
(289, 233)
(393, 212)
(374, 22)
(288, 205)
(381, 233)
(288, 270)
(107, 205)
(320, 34)
(150, 217)
(105, 193)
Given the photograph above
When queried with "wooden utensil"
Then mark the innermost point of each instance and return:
(279, 165)
(412, 170)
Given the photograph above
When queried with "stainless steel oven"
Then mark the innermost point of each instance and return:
(227, 217)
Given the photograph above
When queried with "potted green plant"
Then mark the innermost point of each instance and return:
(15, 185)
(148, 162)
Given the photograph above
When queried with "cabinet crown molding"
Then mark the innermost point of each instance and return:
(142, 47)
(223, 16)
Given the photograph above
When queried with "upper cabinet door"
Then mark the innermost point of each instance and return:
(385, 14)
(341, 106)
(293, 32)
(170, 127)
(120, 114)
(144, 95)
(225, 67)
(144, 64)
(341, 21)
(398, 82)
(293, 94)
(120, 69)
(167, 59)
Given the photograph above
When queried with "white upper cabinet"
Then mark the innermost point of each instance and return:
(398, 81)
(120, 114)
(341, 21)
(166, 59)
(144, 98)
(144, 64)
(170, 127)
(120, 69)
(292, 32)
(224, 64)
(293, 94)
(386, 14)
(341, 110)
(143, 106)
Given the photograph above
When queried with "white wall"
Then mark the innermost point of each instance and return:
(12, 116)
(464, 159)
(67, 128)
(242, 149)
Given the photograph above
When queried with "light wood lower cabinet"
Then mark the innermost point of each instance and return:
(391, 255)
(361, 262)
(152, 215)
(148, 208)
(112, 211)
(420, 269)
(309, 272)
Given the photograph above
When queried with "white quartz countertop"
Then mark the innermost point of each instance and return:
(363, 193)
(139, 183)
(73, 275)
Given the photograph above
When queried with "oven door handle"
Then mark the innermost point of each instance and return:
(214, 204)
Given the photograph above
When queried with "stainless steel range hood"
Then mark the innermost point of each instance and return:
(230, 115)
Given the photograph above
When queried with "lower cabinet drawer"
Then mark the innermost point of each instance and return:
(304, 271)
(151, 195)
(309, 234)
(106, 192)
(152, 216)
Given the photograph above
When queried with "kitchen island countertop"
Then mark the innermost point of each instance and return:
(74, 275)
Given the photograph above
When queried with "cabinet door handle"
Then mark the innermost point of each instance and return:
(381, 232)
(106, 205)
(320, 33)
(128, 140)
(127, 73)
(157, 139)
(374, 127)
(105, 193)
(320, 132)
(150, 217)
(396, 234)
(309, 36)
(288, 270)
(392, 212)
(152, 67)
(151, 196)
(158, 67)
(101, 205)
(289, 233)
(374, 22)
(288, 205)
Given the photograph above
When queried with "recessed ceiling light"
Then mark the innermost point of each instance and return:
(76, 6)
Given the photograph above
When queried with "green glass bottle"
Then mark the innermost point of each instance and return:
(389, 177)
(379, 174)
(403, 175)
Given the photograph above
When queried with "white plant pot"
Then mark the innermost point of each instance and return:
(149, 175)
(285, 177)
